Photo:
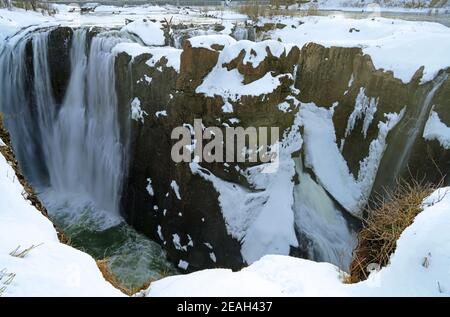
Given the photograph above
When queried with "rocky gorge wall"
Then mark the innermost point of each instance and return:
(323, 76)
(183, 207)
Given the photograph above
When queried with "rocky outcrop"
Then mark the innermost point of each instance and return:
(59, 41)
(188, 225)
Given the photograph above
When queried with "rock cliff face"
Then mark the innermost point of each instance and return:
(327, 77)
(265, 84)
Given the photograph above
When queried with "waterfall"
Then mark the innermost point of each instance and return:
(78, 142)
(324, 232)
(403, 138)
(17, 103)
(417, 124)
(87, 156)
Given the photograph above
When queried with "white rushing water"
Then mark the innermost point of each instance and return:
(318, 219)
(414, 125)
(77, 142)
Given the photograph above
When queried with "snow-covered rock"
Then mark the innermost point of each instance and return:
(149, 32)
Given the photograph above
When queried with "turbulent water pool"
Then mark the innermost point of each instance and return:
(133, 258)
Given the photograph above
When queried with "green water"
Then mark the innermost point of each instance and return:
(132, 258)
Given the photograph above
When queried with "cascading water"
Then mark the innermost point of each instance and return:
(18, 104)
(418, 123)
(86, 155)
(324, 232)
(75, 153)
(403, 138)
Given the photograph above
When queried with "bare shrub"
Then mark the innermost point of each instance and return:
(394, 212)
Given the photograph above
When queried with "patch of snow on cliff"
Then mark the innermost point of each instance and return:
(172, 55)
(132, 49)
(227, 107)
(435, 129)
(364, 107)
(324, 157)
(183, 265)
(177, 242)
(230, 83)
(162, 113)
(149, 32)
(426, 240)
(137, 113)
(368, 167)
(255, 52)
(239, 205)
(208, 41)
(176, 189)
(149, 187)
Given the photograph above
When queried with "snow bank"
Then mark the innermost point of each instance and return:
(419, 267)
(15, 19)
(149, 32)
(51, 268)
(397, 45)
(435, 129)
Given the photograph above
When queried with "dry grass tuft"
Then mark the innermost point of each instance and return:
(114, 281)
(21, 254)
(6, 279)
(385, 223)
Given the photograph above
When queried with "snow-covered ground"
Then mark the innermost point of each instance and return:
(410, 6)
(397, 45)
(419, 267)
(50, 268)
